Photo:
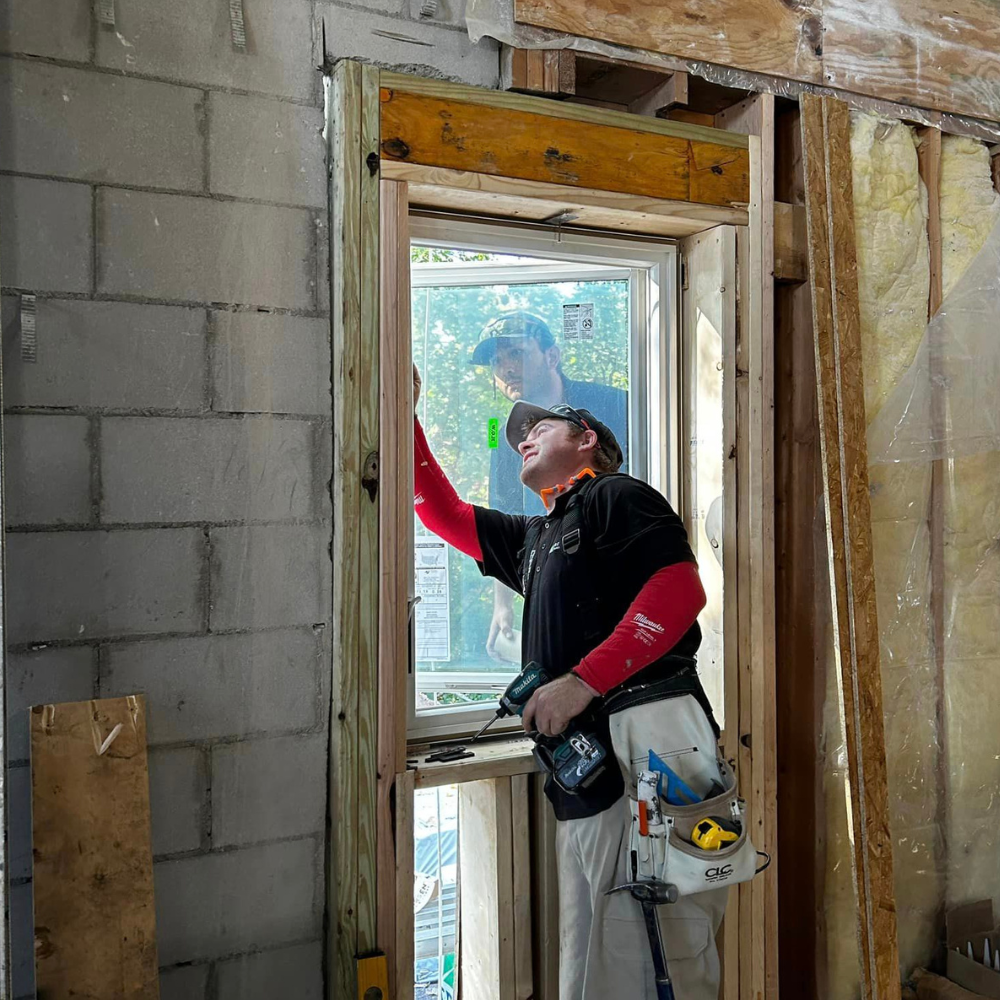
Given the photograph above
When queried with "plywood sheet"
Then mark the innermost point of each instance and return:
(767, 36)
(911, 51)
(917, 52)
(95, 922)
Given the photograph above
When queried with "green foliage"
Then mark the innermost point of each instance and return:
(458, 400)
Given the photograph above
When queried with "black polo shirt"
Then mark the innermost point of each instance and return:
(574, 599)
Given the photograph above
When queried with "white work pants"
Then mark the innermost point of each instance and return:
(603, 946)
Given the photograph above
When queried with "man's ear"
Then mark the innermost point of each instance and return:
(588, 441)
(553, 357)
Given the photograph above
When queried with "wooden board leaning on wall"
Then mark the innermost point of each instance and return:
(899, 50)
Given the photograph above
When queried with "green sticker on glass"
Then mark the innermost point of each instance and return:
(493, 434)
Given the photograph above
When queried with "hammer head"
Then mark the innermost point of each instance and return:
(648, 891)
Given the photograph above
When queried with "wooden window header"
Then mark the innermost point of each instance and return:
(493, 133)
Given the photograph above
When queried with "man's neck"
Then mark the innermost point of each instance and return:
(550, 495)
(553, 391)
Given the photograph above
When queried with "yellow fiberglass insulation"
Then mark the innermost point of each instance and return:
(890, 218)
(970, 206)
(970, 209)
(943, 818)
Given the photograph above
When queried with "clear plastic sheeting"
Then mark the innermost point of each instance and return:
(495, 19)
(931, 392)
(945, 750)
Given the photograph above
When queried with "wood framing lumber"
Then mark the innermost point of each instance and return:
(520, 793)
(755, 530)
(790, 256)
(502, 197)
(95, 920)
(668, 94)
(486, 877)
(355, 297)
(492, 760)
(404, 943)
(837, 338)
(395, 499)
(929, 163)
(482, 139)
(899, 50)
(402, 83)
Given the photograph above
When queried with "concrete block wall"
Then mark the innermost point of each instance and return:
(168, 452)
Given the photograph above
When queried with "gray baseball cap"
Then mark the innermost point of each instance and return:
(509, 326)
(524, 416)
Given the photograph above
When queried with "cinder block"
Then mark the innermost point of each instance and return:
(223, 685)
(47, 472)
(97, 127)
(184, 982)
(178, 799)
(216, 905)
(193, 469)
(42, 676)
(22, 940)
(198, 250)
(286, 972)
(92, 584)
(191, 41)
(18, 793)
(107, 354)
(261, 148)
(252, 796)
(414, 46)
(269, 576)
(57, 29)
(47, 237)
(271, 364)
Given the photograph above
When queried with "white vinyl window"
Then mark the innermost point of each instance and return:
(609, 305)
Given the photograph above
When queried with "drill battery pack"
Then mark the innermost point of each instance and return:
(574, 761)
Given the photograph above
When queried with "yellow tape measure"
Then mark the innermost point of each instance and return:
(713, 833)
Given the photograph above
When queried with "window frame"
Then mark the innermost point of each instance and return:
(653, 266)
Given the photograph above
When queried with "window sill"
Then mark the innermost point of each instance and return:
(492, 760)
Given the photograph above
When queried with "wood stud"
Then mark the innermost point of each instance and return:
(353, 792)
(837, 336)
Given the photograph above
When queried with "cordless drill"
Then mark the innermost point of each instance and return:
(574, 758)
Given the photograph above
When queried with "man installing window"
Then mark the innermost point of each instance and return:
(525, 363)
(610, 613)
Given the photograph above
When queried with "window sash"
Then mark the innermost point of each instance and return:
(651, 266)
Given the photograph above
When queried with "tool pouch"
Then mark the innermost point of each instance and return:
(668, 854)
(674, 724)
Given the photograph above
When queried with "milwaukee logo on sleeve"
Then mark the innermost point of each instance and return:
(643, 622)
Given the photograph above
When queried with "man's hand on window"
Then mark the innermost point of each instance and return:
(503, 620)
(554, 706)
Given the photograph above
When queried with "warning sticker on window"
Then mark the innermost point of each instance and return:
(578, 321)
(432, 586)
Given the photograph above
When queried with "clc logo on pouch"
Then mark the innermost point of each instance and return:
(718, 874)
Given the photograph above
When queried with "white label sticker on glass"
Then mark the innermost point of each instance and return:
(578, 321)
(431, 586)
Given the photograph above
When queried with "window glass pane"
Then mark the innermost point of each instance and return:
(564, 336)
(435, 876)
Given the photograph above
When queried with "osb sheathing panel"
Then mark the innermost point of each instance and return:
(911, 51)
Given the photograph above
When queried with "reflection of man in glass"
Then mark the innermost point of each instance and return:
(526, 364)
